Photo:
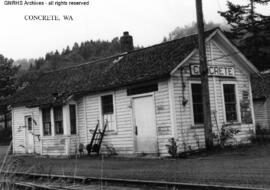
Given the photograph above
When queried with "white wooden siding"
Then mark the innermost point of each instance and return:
(122, 140)
(163, 116)
(81, 128)
(189, 136)
(19, 130)
(261, 108)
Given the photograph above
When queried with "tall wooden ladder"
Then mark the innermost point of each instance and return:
(97, 138)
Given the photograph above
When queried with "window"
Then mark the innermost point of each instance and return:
(46, 118)
(72, 114)
(58, 120)
(230, 102)
(108, 111)
(29, 123)
(197, 103)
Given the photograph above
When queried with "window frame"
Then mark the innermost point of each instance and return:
(62, 121)
(50, 122)
(238, 114)
(114, 128)
(76, 125)
(193, 124)
(26, 119)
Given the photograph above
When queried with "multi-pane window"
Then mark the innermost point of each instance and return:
(58, 120)
(230, 102)
(108, 111)
(46, 118)
(72, 114)
(197, 103)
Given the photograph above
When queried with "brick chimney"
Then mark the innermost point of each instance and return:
(126, 42)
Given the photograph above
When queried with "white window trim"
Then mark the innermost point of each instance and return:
(191, 105)
(237, 102)
(76, 116)
(42, 123)
(63, 122)
(52, 124)
(101, 123)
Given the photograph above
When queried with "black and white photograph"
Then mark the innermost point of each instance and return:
(135, 95)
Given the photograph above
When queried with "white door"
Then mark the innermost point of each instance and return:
(145, 127)
(29, 137)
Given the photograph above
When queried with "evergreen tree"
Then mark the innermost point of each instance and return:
(250, 31)
(180, 32)
(7, 84)
(7, 77)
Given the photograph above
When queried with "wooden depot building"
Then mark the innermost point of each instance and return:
(146, 97)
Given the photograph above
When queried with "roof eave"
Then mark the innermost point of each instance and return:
(193, 53)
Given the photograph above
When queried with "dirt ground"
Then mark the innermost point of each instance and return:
(246, 166)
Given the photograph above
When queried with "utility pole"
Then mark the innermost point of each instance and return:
(204, 77)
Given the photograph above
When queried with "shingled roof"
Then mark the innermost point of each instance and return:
(261, 86)
(151, 63)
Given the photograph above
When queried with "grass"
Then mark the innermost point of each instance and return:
(246, 166)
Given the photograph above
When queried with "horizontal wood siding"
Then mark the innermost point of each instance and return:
(261, 113)
(267, 108)
(122, 140)
(81, 128)
(163, 116)
(19, 130)
(56, 145)
(73, 146)
(190, 136)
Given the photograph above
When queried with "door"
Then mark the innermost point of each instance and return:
(29, 137)
(145, 127)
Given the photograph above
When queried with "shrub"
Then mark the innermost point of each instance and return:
(172, 147)
(227, 133)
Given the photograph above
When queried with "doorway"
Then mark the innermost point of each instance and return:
(145, 125)
(29, 137)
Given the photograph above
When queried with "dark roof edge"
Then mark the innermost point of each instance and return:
(87, 93)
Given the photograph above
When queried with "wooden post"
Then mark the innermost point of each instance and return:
(204, 77)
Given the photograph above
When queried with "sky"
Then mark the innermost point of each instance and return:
(148, 21)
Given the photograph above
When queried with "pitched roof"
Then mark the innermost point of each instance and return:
(141, 65)
(261, 86)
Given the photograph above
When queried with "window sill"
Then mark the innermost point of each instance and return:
(57, 136)
(232, 124)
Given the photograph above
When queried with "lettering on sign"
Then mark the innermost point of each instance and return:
(221, 71)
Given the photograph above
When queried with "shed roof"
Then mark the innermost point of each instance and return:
(151, 63)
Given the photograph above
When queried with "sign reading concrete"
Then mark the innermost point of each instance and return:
(220, 71)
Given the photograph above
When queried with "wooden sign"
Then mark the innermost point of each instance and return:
(220, 71)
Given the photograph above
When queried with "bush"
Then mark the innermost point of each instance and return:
(172, 148)
(5, 136)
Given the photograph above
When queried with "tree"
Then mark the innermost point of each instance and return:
(7, 83)
(249, 30)
(186, 30)
(7, 77)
